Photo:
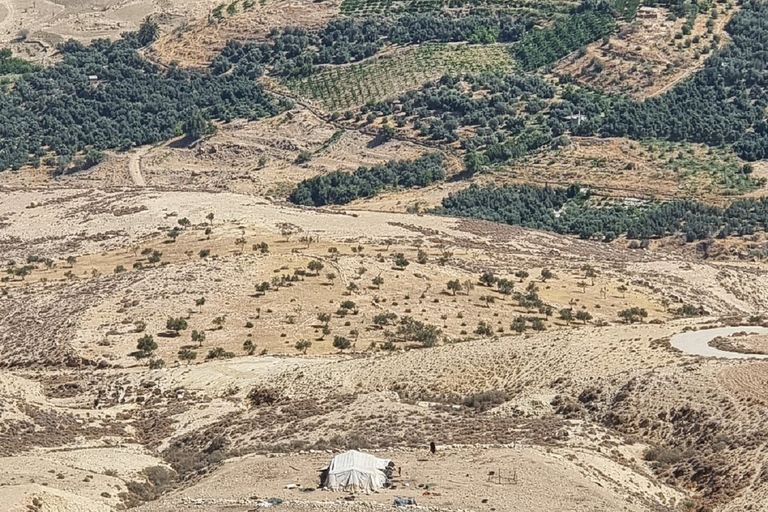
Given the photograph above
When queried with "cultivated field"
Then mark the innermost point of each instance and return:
(385, 77)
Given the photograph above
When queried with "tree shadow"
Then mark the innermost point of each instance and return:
(462, 176)
(182, 143)
(377, 141)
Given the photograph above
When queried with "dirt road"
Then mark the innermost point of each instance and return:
(134, 166)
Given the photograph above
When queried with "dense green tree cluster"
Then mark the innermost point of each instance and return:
(295, 51)
(724, 103)
(521, 205)
(439, 109)
(569, 211)
(343, 187)
(133, 102)
(10, 65)
(545, 46)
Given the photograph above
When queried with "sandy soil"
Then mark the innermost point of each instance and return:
(456, 478)
(47, 22)
(254, 158)
(60, 412)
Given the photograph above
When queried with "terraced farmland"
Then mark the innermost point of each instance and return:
(342, 87)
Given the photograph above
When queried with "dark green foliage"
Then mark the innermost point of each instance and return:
(583, 316)
(454, 286)
(442, 107)
(342, 187)
(505, 286)
(156, 364)
(546, 46)
(176, 324)
(10, 65)
(386, 133)
(219, 353)
(411, 329)
(518, 324)
(535, 207)
(488, 279)
(148, 31)
(383, 319)
(687, 310)
(724, 103)
(341, 343)
(296, 51)
(633, 314)
(484, 328)
(145, 346)
(523, 205)
(187, 355)
(400, 260)
(475, 161)
(135, 102)
(627, 8)
(196, 125)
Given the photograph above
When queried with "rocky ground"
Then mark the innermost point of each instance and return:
(607, 410)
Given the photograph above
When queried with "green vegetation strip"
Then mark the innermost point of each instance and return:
(724, 103)
(10, 65)
(545, 8)
(546, 46)
(343, 187)
(572, 211)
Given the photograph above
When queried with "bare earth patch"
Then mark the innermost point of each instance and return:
(196, 44)
(742, 343)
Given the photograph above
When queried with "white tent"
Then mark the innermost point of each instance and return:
(355, 471)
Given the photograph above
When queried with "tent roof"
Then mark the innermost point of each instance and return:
(356, 471)
(357, 461)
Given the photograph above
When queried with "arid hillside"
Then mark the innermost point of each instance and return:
(517, 248)
(73, 390)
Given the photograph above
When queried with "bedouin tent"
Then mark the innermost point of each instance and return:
(355, 471)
